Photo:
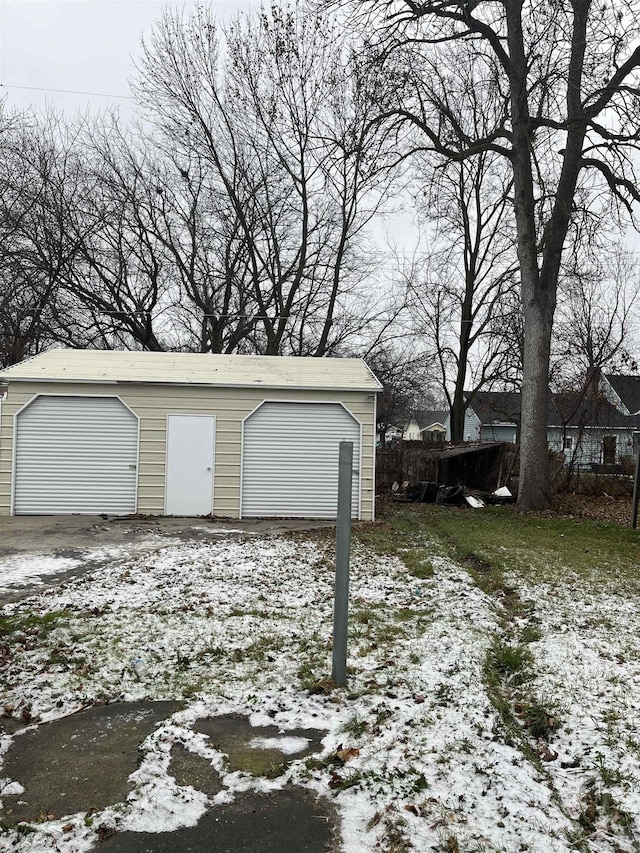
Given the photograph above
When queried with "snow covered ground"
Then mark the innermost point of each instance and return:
(430, 758)
(35, 569)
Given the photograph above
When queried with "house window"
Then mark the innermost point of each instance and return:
(567, 444)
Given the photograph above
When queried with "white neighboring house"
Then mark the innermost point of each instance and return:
(589, 428)
(428, 425)
(411, 430)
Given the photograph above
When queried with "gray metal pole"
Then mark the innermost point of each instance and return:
(636, 493)
(343, 547)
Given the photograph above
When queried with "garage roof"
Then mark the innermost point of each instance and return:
(167, 368)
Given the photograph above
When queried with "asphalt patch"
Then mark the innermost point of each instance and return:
(79, 762)
(187, 768)
(287, 821)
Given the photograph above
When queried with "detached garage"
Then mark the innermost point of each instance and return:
(184, 434)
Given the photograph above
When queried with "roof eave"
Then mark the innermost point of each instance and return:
(244, 385)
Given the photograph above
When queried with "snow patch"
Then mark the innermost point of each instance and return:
(286, 745)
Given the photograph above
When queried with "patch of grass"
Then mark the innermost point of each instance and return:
(21, 829)
(312, 682)
(444, 694)
(39, 624)
(451, 845)
(399, 538)
(538, 718)
(633, 744)
(211, 653)
(393, 836)
(596, 804)
(260, 648)
(388, 631)
(355, 726)
(511, 661)
(183, 661)
(419, 566)
(519, 720)
(530, 634)
(499, 539)
(366, 616)
(612, 776)
(407, 614)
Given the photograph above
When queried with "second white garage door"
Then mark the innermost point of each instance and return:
(75, 455)
(290, 460)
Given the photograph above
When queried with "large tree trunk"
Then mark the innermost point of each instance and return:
(458, 406)
(458, 410)
(539, 285)
(538, 298)
(534, 485)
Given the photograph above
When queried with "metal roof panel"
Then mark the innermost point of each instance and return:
(247, 371)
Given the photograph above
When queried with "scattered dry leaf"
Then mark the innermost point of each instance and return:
(345, 754)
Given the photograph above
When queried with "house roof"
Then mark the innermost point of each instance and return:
(566, 409)
(627, 388)
(167, 368)
(427, 417)
(576, 410)
(496, 407)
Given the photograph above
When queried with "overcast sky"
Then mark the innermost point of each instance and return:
(79, 45)
(89, 46)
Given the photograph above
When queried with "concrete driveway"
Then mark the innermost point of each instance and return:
(37, 552)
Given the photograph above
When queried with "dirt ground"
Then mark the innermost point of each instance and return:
(600, 508)
(24, 534)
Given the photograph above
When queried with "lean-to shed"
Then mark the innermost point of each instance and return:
(239, 436)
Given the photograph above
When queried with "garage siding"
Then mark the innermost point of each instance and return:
(152, 404)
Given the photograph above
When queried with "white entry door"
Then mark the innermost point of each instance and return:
(190, 458)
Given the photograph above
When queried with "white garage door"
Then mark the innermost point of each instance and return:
(75, 455)
(290, 460)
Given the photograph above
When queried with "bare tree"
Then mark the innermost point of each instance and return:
(562, 83)
(406, 386)
(39, 174)
(470, 272)
(277, 110)
(597, 314)
(242, 227)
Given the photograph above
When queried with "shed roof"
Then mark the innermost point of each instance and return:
(167, 368)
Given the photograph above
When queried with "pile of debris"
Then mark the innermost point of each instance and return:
(426, 491)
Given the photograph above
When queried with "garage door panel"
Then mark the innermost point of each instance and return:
(290, 460)
(76, 455)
